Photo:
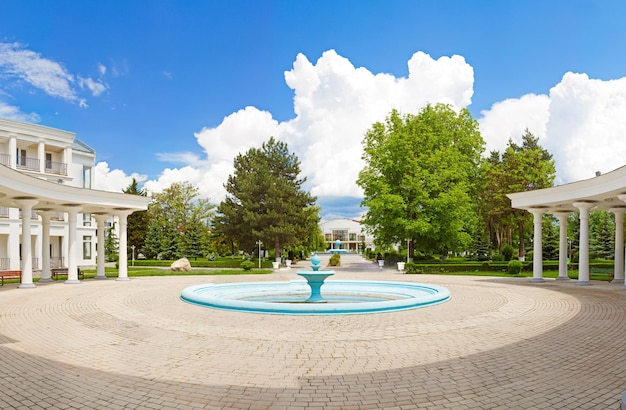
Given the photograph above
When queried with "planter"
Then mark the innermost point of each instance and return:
(288, 263)
(381, 263)
(401, 266)
(275, 265)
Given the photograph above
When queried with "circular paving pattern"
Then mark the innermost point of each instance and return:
(498, 343)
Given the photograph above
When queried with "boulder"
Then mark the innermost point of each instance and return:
(181, 265)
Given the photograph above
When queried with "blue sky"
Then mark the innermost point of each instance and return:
(172, 90)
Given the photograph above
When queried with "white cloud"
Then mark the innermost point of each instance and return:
(19, 65)
(96, 87)
(113, 180)
(13, 113)
(102, 69)
(335, 103)
(581, 123)
(42, 73)
(511, 117)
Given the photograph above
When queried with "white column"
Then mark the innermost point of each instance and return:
(41, 156)
(562, 245)
(26, 205)
(101, 254)
(13, 152)
(72, 246)
(618, 266)
(45, 246)
(583, 250)
(123, 245)
(537, 248)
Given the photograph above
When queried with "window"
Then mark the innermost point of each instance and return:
(86, 247)
(21, 157)
(86, 219)
(86, 177)
(48, 160)
(352, 237)
(342, 235)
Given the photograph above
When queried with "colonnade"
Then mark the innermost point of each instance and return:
(26, 205)
(584, 207)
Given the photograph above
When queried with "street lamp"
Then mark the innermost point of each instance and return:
(133, 253)
(259, 243)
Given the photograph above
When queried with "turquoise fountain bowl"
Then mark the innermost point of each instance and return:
(341, 297)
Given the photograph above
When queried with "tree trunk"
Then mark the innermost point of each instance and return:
(277, 252)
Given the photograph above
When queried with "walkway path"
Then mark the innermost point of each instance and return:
(498, 344)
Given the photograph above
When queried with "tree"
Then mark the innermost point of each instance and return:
(520, 168)
(178, 218)
(137, 223)
(601, 234)
(421, 179)
(111, 243)
(265, 200)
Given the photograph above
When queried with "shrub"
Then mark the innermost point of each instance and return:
(507, 252)
(335, 259)
(247, 265)
(412, 267)
(514, 267)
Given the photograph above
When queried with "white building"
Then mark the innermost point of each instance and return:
(49, 214)
(349, 231)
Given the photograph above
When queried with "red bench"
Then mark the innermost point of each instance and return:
(10, 274)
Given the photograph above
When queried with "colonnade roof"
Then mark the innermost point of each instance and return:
(16, 186)
(604, 191)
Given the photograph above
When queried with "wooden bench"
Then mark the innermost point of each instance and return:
(56, 272)
(10, 274)
(608, 271)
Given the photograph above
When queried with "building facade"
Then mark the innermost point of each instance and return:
(50, 217)
(349, 232)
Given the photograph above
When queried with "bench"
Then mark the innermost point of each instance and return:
(10, 274)
(601, 271)
(56, 272)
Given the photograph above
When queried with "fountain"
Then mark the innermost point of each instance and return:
(315, 279)
(303, 297)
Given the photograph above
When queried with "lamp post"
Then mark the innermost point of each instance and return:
(133, 257)
(259, 254)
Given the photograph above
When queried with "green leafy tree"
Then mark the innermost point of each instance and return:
(421, 179)
(265, 200)
(178, 223)
(137, 224)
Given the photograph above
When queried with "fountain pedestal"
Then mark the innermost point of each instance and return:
(315, 278)
(315, 281)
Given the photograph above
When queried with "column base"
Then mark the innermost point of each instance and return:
(562, 278)
(26, 286)
(537, 280)
(72, 281)
(122, 279)
(618, 280)
(583, 283)
(46, 280)
(100, 277)
(623, 287)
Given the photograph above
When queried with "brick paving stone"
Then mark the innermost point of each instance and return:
(498, 343)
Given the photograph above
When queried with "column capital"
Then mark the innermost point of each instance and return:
(618, 210)
(584, 205)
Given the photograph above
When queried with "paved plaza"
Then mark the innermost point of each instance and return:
(499, 343)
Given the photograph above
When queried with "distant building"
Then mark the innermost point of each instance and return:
(349, 231)
(50, 217)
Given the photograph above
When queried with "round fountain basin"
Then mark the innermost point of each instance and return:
(341, 297)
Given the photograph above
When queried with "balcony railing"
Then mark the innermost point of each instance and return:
(5, 159)
(4, 212)
(28, 163)
(58, 168)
